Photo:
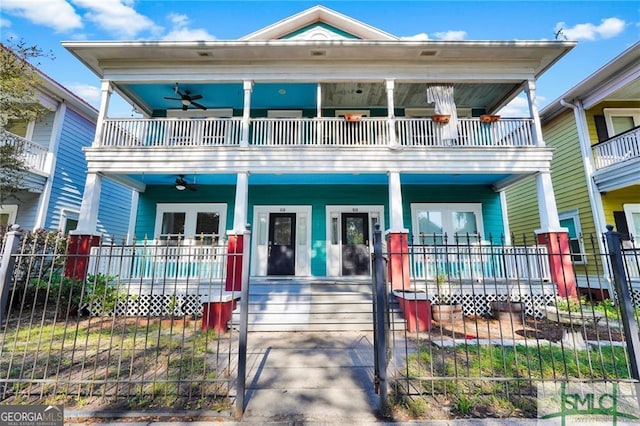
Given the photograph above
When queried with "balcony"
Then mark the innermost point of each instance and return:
(34, 155)
(617, 161)
(330, 132)
(618, 149)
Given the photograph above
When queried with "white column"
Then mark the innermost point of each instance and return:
(395, 203)
(104, 108)
(50, 166)
(536, 132)
(319, 101)
(390, 85)
(246, 113)
(242, 202)
(88, 220)
(548, 210)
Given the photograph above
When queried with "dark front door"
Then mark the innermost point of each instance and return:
(355, 244)
(282, 244)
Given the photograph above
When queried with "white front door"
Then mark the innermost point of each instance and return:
(350, 239)
(281, 241)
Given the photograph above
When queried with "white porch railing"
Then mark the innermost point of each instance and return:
(480, 263)
(319, 131)
(159, 261)
(617, 149)
(418, 132)
(167, 132)
(471, 132)
(34, 155)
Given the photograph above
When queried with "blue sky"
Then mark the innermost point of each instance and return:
(603, 29)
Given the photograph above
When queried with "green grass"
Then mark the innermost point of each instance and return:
(167, 364)
(460, 382)
(544, 362)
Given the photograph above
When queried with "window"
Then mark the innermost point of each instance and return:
(619, 120)
(632, 213)
(461, 223)
(69, 221)
(571, 221)
(8, 215)
(201, 222)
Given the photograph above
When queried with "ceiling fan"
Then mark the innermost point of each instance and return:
(186, 98)
(182, 184)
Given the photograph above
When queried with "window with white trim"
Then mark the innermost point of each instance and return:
(619, 120)
(8, 214)
(202, 222)
(69, 220)
(632, 214)
(460, 222)
(571, 221)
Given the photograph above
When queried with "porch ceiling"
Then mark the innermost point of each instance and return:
(352, 95)
(323, 179)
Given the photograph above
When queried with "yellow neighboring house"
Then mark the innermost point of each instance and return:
(595, 130)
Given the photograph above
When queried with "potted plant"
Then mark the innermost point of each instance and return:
(489, 118)
(445, 310)
(513, 312)
(441, 118)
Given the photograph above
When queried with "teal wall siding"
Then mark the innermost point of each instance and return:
(318, 197)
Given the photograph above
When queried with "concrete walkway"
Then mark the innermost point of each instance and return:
(310, 377)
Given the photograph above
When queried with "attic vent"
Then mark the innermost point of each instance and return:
(203, 54)
(318, 53)
(428, 53)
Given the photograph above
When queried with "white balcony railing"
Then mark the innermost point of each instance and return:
(471, 132)
(419, 132)
(166, 132)
(34, 155)
(617, 149)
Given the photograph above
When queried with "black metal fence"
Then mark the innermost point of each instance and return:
(481, 330)
(145, 327)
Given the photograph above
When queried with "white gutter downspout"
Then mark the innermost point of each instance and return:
(587, 161)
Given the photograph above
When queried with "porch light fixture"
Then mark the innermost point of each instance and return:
(181, 184)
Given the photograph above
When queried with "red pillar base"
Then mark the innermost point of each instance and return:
(79, 250)
(399, 272)
(562, 272)
(235, 248)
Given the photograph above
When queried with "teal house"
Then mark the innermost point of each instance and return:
(313, 130)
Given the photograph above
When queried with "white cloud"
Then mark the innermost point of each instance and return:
(5, 23)
(518, 107)
(608, 28)
(451, 35)
(89, 93)
(417, 37)
(181, 32)
(116, 17)
(56, 14)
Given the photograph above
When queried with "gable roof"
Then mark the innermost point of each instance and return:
(619, 78)
(314, 15)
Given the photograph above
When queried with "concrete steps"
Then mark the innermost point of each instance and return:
(311, 305)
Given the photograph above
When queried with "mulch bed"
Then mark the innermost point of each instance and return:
(507, 329)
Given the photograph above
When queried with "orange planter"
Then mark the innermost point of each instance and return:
(441, 118)
(487, 118)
